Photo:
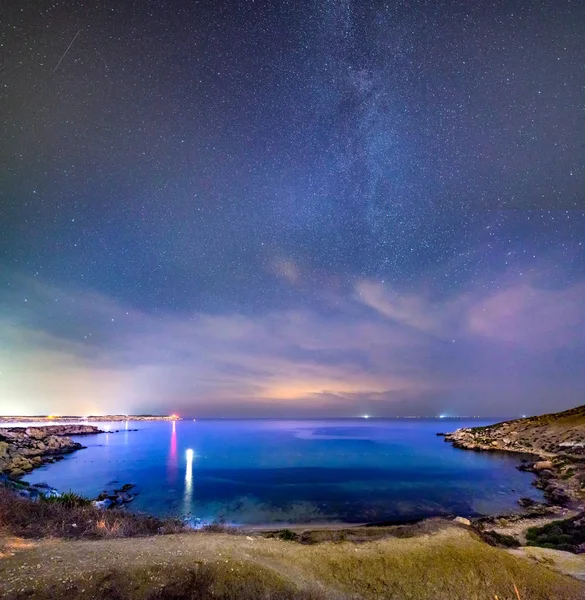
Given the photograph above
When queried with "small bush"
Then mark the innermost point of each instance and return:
(288, 535)
(500, 539)
(67, 499)
(568, 473)
(561, 535)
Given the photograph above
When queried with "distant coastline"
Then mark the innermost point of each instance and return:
(84, 419)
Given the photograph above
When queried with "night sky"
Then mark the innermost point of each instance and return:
(292, 208)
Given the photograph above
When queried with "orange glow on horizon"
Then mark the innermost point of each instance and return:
(295, 391)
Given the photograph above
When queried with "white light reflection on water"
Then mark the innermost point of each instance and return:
(107, 427)
(188, 496)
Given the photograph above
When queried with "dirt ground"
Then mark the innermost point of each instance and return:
(449, 563)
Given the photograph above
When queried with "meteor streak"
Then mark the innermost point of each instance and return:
(64, 53)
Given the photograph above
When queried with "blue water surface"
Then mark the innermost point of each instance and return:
(269, 471)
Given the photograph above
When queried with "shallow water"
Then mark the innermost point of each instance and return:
(268, 471)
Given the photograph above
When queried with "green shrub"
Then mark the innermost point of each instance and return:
(560, 535)
(67, 499)
(287, 535)
(500, 539)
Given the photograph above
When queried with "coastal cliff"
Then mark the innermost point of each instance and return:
(557, 440)
(24, 448)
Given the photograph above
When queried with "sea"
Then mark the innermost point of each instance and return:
(285, 472)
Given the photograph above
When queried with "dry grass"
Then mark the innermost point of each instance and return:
(239, 581)
(23, 518)
(440, 567)
(450, 564)
(354, 534)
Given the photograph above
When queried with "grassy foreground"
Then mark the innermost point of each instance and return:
(64, 548)
(73, 517)
(446, 563)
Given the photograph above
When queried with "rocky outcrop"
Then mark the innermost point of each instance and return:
(557, 442)
(22, 449)
(546, 435)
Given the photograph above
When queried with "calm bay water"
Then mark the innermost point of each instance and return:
(266, 471)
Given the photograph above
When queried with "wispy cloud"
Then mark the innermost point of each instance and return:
(379, 351)
(526, 315)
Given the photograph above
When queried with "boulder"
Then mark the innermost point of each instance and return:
(102, 504)
(557, 495)
(124, 497)
(541, 465)
(462, 521)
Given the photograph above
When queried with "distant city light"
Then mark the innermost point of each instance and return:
(173, 416)
(366, 416)
(442, 416)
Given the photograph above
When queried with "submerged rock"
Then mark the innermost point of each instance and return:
(126, 487)
(526, 502)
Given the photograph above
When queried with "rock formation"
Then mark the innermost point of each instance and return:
(556, 441)
(22, 449)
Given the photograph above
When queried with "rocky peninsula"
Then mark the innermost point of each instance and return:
(24, 448)
(553, 446)
(85, 419)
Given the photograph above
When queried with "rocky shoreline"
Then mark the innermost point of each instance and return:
(23, 449)
(552, 447)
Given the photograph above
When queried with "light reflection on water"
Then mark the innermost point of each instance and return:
(172, 461)
(188, 495)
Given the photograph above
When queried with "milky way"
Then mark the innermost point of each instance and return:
(292, 208)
